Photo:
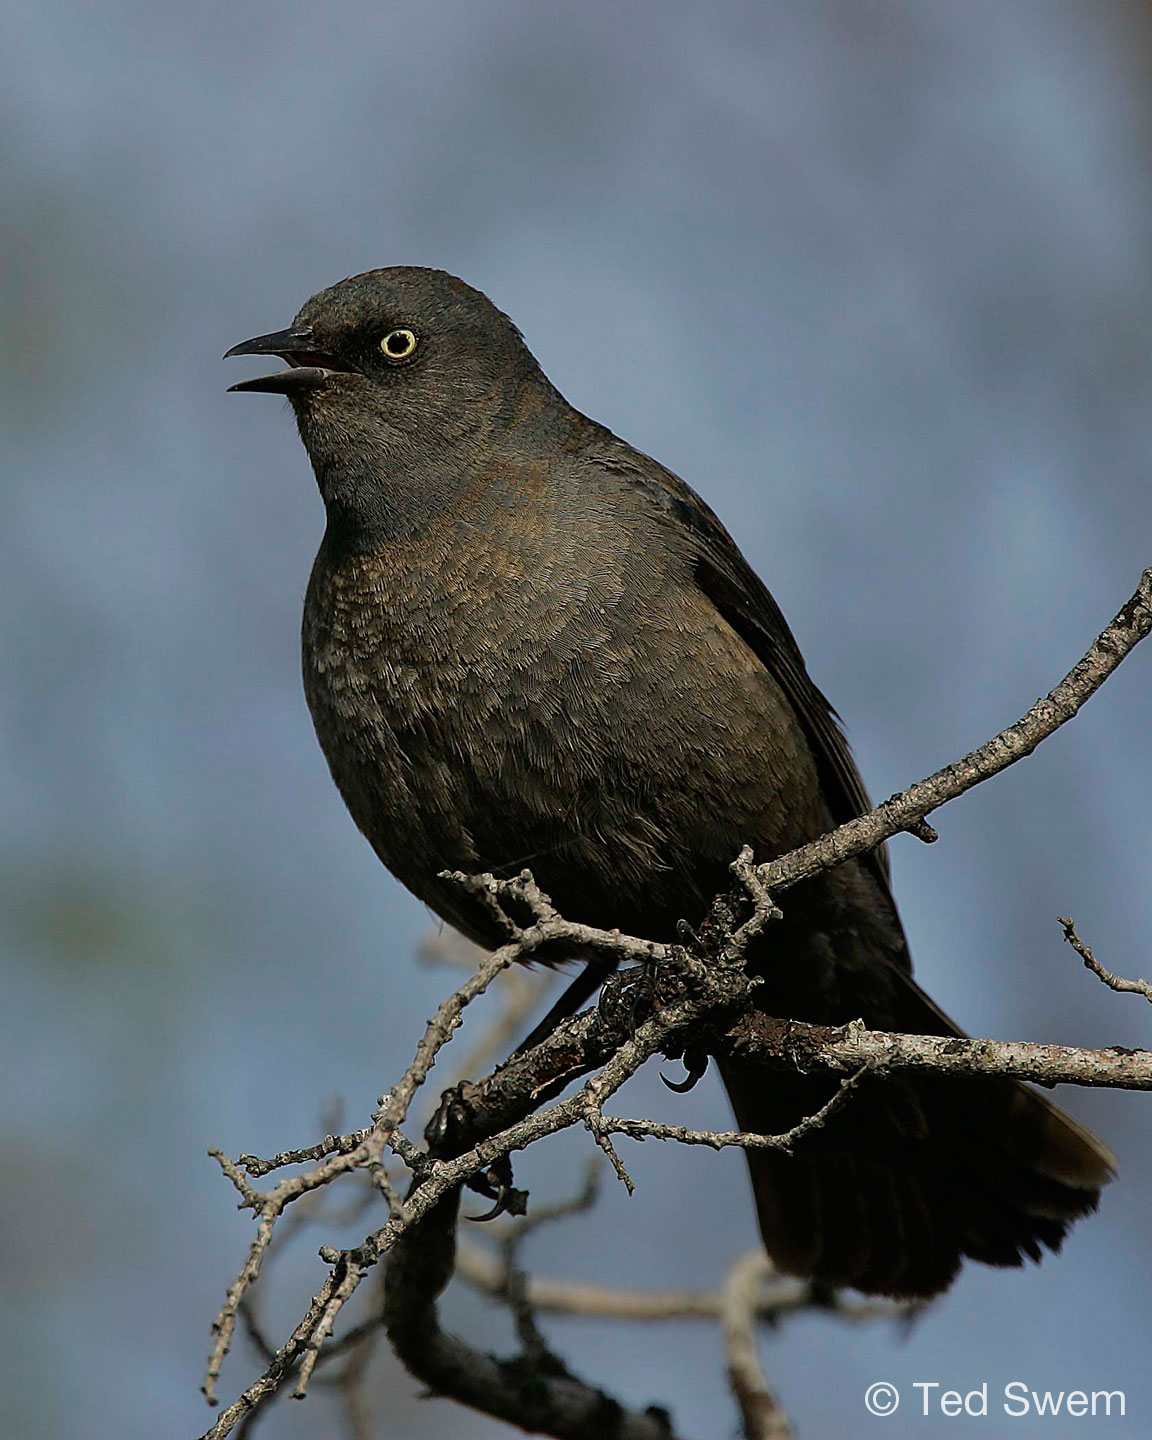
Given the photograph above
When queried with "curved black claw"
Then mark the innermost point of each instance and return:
(496, 1184)
(502, 1205)
(696, 1064)
(509, 1201)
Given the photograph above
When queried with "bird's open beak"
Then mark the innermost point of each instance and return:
(310, 366)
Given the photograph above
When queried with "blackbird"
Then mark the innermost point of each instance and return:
(526, 643)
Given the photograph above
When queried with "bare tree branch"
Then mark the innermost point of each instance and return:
(535, 1393)
(720, 1139)
(784, 1296)
(699, 996)
(1114, 982)
(368, 1153)
(760, 1412)
(782, 1043)
(905, 810)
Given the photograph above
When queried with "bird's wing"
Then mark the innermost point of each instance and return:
(745, 602)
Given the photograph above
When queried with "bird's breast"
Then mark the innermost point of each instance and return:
(460, 698)
(489, 703)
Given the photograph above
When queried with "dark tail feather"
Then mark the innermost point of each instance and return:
(912, 1175)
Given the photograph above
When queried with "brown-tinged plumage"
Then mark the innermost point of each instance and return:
(528, 644)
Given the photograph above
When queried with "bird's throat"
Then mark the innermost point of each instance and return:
(376, 485)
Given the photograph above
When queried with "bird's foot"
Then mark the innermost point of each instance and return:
(496, 1183)
(628, 999)
(696, 1064)
(451, 1132)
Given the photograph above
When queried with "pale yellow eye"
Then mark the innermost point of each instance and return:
(399, 344)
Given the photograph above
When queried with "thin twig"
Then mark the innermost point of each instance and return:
(520, 993)
(746, 1140)
(330, 1145)
(907, 808)
(349, 1380)
(225, 1322)
(393, 1107)
(760, 1413)
(1114, 982)
(515, 1288)
(323, 1327)
(568, 1297)
(262, 1389)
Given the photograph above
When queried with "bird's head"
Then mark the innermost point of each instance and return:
(399, 372)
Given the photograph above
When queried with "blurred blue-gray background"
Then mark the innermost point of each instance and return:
(875, 276)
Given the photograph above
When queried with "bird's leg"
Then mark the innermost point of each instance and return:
(589, 980)
(446, 1132)
(449, 1133)
(695, 1059)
